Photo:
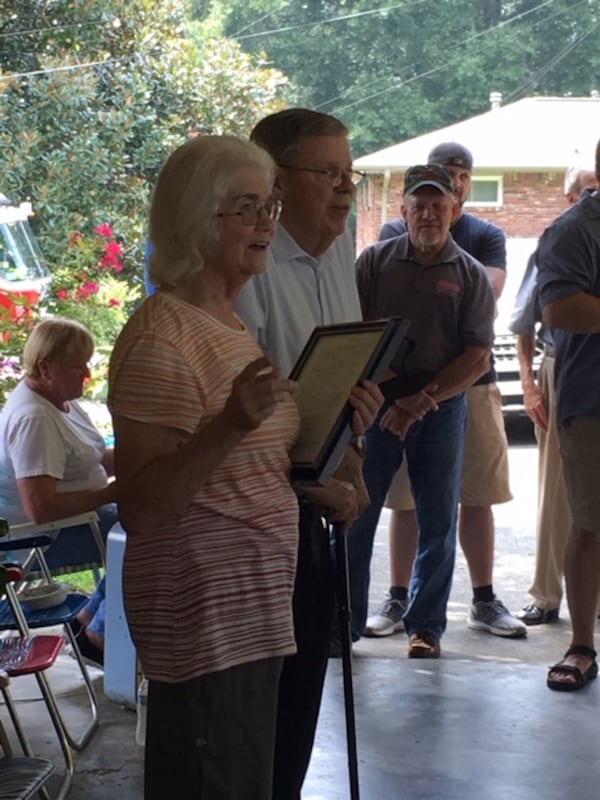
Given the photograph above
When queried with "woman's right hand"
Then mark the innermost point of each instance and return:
(255, 394)
(338, 500)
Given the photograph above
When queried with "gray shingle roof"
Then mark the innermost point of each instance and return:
(533, 134)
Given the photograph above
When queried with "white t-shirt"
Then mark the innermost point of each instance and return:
(36, 438)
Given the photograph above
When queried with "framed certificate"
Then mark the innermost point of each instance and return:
(336, 358)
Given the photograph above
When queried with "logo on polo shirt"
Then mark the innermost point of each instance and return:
(448, 287)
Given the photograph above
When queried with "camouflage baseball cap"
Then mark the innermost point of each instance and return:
(427, 175)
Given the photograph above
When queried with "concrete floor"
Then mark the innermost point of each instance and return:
(479, 722)
(458, 730)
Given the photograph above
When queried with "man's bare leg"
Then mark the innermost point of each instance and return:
(487, 613)
(582, 578)
(477, 536)
(404, 535)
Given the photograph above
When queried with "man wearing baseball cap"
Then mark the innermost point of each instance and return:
(448, 298)
(485, 471)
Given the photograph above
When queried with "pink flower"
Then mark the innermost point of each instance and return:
(110, 257)
(114, 302)
(62, 294)
(103, 230)
(86, 290)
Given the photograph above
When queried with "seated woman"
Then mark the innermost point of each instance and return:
(53, 461)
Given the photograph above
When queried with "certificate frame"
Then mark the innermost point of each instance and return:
(333, 361)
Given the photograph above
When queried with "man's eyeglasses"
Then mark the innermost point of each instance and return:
(253, 210)
(334, 174)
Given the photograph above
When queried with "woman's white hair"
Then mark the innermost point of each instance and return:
(56, 339)
(190, 189)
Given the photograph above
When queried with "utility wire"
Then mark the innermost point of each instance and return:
(54, 29)
(456, 48)
(549, 65)
(253, 23)
(70, 67)
(446, 65)
(330, 21)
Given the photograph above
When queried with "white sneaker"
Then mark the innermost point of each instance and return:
(387, 619)
(495, 618)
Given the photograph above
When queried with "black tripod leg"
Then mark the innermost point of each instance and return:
(343, 598)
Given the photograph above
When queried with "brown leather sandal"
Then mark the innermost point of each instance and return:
(582, 677)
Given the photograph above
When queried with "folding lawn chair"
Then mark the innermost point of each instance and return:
(33, 655)
(77, 545)
(20, 776)
(15, 616)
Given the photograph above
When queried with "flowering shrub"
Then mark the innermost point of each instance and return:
(88, 284)
(14, 330)
(10, 375)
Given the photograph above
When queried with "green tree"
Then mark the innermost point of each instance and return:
(94, 94)
(401, 68)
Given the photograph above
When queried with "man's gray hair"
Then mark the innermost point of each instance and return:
(572, 184)
(280, 134)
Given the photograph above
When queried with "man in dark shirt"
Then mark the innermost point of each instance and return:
(485, 472)
(554, 516)
(447, 296)
(569, 279)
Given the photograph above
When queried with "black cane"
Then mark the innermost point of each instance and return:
(343, 598)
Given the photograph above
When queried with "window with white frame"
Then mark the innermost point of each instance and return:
(486, 190)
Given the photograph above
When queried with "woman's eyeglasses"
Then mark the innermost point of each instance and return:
(253, 210)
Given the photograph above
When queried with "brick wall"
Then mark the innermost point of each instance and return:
(531, 200)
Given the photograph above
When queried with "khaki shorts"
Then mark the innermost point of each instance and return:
(580, 450)
(485, 468)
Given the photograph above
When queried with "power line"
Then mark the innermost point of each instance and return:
(330, 21)
(550, 64)
(254, 22)
(457, 48)
(53, 29)
(67, 68)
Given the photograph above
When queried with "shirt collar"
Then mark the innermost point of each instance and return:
(590, 202)
(285, 248)
(447, 254)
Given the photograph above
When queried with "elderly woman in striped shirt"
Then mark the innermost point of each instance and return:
(204, 425)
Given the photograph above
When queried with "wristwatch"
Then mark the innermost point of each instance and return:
(360, 445)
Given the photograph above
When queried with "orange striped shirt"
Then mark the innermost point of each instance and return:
(213, 588)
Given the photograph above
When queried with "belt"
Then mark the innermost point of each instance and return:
(549, 350)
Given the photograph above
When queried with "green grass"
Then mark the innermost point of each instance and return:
(82, 580)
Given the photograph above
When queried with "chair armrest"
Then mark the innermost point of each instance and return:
(13, 574)
(4, 679)
(25, 542)
(30, 528)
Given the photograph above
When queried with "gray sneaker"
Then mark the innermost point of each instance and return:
(387, 619)
(495, 618)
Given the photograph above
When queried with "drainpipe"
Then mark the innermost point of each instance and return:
(385, 190)
(495, 100)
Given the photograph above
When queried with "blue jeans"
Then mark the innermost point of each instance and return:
(96, 607)
(434, 453)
